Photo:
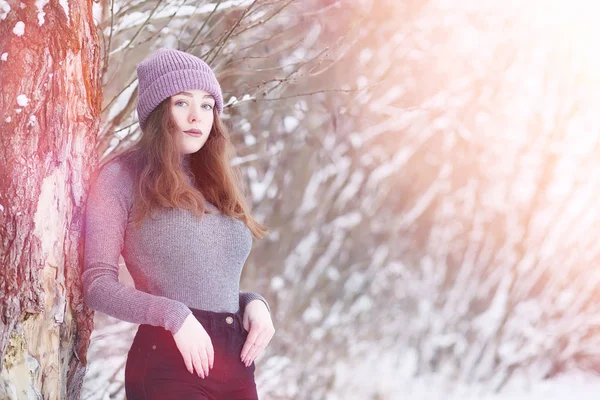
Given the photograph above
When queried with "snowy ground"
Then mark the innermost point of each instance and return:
(374, 380)
(573, 387)
(567, 387)
(576, 387)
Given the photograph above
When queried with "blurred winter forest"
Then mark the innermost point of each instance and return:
(429, 171)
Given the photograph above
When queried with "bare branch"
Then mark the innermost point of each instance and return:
(206, 21)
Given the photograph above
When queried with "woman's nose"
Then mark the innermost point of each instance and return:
(194, 115)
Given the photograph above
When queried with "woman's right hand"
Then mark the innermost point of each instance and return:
(195, 346)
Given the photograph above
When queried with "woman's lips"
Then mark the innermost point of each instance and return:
(194, 133)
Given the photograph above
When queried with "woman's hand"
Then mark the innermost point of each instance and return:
(195, 346)
(257, 321)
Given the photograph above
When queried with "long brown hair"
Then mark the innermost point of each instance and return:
(161, 179)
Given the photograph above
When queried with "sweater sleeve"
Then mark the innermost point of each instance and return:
(247, 297)
(107, 209)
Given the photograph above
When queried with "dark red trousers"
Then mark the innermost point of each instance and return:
(155, 367)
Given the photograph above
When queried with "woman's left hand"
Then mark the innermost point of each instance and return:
(258, 323)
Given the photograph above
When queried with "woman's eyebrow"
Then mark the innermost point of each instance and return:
(188, 94)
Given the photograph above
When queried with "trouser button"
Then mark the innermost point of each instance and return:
(229, 320)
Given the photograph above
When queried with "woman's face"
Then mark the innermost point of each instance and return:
(193, 114)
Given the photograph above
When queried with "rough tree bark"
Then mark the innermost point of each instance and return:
(50, 104)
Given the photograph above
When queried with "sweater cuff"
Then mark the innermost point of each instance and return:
(174, 318)
(247, 297)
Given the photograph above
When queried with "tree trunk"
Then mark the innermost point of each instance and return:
(50, 104)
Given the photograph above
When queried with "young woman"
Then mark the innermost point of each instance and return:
(173, 207)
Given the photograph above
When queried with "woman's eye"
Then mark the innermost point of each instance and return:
(180, 102)
(207, 106)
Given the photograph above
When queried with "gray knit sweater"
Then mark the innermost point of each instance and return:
(177, 260)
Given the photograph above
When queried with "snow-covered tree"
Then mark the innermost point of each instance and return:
(49, 118)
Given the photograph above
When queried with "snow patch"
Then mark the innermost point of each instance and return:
(277, 283)
(362, 82)
(245, 125)
(232, 101)
(8, 119)
(333, 274)
(1, 208)
(19, 28)
(18, 110)
(41, 14)
(347, 221)
(249, 140)
(300, 256)
(111, 146)
(32, 120)
(22, 100)
(114, 142)
(97, 13)
(362, 305)
(121, 102)
(313, 313)
(354, 283)
(4, 9)
(4, 56)
(365, 56)
(65, 6)
(290, 123)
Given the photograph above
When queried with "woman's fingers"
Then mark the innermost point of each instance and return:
(255, 350)
(204, 357)
(188, 363)
(195, 346)
(211, 355)
(256, 347)
(250, 340)
(251, 355)
(198, 365)
(201, 360)
(256, 341)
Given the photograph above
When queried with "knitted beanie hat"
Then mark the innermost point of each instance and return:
(168, 72)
